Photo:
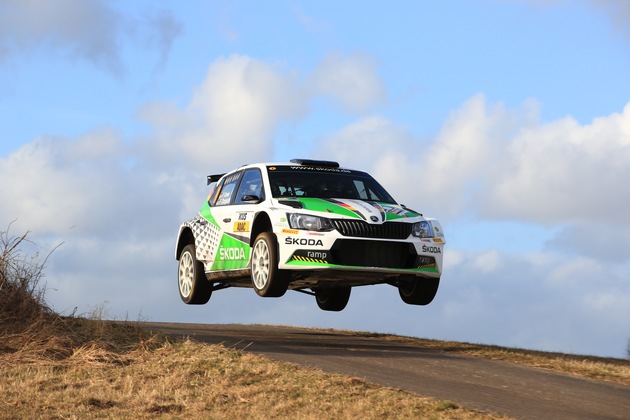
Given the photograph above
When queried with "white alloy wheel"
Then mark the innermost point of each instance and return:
(194, 287)
(267, 280)
(186, 274)
(260, 264)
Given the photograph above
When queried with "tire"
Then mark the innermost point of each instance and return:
(194, 287)
(417, 291)
(267, 279)
(332, 299)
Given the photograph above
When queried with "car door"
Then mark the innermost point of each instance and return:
(234, 211)
(228, 253)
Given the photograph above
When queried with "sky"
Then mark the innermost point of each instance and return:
(507, 120)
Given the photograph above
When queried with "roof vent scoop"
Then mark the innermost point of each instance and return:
(320, 163)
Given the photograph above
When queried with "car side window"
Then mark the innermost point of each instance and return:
(251, 185)
(212, 197)
(226, 189)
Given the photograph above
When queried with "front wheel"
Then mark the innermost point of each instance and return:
(332, 299)
(417, 290)
(194, 287)
(267, 279)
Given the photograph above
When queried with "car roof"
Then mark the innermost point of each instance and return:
(293, 162)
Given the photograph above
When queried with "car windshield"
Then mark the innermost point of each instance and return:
(316, 182)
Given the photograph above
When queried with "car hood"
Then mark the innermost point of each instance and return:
(369, 211)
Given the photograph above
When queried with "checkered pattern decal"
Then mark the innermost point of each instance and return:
(207, 238)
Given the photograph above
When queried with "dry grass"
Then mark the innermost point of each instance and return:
(189, 379)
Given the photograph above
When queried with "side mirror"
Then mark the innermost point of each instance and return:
(250, 199)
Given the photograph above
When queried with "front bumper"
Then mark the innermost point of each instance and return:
(377, 256)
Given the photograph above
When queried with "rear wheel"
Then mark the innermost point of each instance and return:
(267, 279)
(417, 290)
(194, 287)
(332, 299)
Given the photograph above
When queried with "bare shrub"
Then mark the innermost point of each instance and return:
(21, 295)
(28, 326)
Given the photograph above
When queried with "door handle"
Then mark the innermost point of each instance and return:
(227, 220)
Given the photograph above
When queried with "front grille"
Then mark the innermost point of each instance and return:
(382, 254)
(361, 229)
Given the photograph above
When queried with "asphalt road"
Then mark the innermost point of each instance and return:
(500, 387)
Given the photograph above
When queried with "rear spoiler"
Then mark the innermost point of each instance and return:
(214, 178)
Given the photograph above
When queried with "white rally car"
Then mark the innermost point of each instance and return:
(308, 226)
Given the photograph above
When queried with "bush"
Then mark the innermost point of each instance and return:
(29, 328)
(21, 297)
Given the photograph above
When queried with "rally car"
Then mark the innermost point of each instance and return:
(309, 226)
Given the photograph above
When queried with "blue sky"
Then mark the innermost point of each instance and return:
(509, 121)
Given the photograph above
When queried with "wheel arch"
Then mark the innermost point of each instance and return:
(262, 223)
(185, 237)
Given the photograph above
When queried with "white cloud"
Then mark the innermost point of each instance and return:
(90, 30)
(86, 187)
(565, 172)
(99, 185)
(50, 185)
(350, 79)
(505, 165)
(360, 144)
(231, 117)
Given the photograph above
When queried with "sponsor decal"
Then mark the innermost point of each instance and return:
(272, 168)
(303, 241)
(369, 208)
(320, 169)
(231, 254)
(317, 257)
(346, 206)
(380, 209)
(395, 210)
(242, 216)
(431, 249)
(232, 178)
(241, 226)
(290, 231)
(428, 267)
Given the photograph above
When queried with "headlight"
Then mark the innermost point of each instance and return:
(422, 230)
(306, 222)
